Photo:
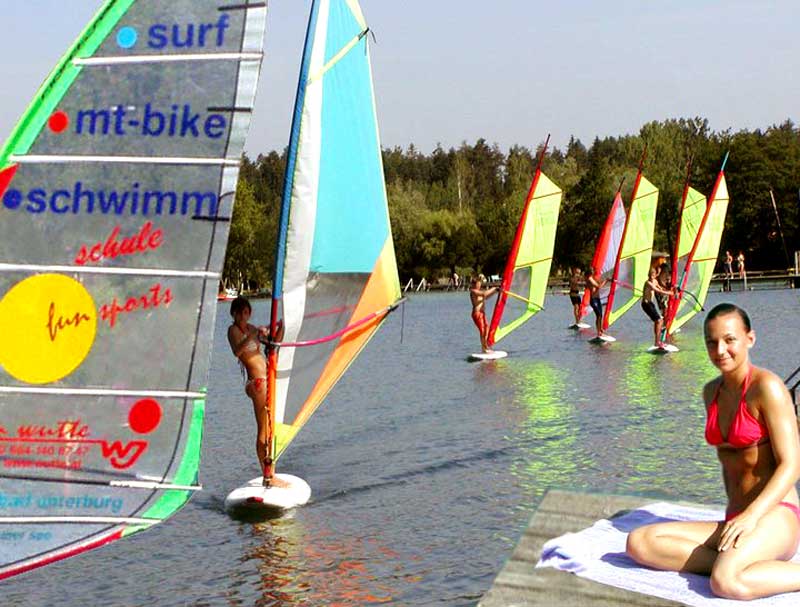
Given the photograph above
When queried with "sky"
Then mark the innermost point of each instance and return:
(509, 71)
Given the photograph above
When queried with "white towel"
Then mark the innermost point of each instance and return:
(598, 553)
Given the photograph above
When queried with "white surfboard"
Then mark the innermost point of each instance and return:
(488, 355)
(579, 325)
(253, 497)
(665, 349)
(602, 339)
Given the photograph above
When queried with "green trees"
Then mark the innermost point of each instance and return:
(457, 209)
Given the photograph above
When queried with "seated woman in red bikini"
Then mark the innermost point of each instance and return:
(752, 423)
(246, 346)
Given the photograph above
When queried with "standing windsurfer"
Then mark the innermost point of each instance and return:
(575, 283)
(751, 422)
(651, 288)
(665, 282)
(245, 341)
(478, 295)
(594, 286)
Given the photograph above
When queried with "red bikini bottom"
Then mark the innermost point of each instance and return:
(791, 507)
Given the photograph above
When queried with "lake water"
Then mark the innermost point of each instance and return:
(425, 468)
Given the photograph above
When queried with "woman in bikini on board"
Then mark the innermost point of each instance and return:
(246, 346)
(752, 423)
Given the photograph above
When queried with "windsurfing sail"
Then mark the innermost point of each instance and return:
(524, 283)
(116, 190)
(693, 208)
(635, 251)
(605, 253)
(698, 264)
(336, 276)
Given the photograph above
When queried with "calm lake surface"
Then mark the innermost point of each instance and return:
(425, 468)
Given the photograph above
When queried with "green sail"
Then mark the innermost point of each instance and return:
(528, 268)
(635, 253)
(681, 309)
(699, 269)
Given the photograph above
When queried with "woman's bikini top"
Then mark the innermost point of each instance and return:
(745, 430)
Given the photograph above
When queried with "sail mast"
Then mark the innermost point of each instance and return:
(268, 466)
(780, 229)
(673, 301)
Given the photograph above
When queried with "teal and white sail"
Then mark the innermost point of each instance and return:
(336, 276)
(116, 193)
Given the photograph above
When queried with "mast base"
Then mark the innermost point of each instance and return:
(254, 497)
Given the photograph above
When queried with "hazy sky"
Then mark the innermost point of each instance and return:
(509, 71)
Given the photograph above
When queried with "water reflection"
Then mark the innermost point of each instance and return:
(296, 567)
(549, 435)
(665, 424)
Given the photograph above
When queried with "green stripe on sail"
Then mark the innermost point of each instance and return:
(61, 78)
(534, 257)
(173, 499)
(693, 210)
(637, 250)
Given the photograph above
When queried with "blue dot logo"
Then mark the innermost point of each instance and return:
(126, 37)
(12, 199)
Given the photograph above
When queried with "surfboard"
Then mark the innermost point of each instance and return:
(601, 339)
(665, 349)
(254, 497)
(497, 354)
(580, 325)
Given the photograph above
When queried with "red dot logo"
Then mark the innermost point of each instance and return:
(144, 416)
(58, 121)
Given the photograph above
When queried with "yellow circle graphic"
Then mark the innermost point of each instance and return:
(48, 323)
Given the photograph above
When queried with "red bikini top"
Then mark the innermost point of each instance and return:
(745, 430)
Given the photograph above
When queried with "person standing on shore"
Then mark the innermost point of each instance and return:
(740, 259)
(726, 286)
(750, 420)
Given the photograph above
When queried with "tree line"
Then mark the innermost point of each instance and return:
(457, 209)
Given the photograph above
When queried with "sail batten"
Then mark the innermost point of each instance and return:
(104, 61)
(176, 160)
(116, 190)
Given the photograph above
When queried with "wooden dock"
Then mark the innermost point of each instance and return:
(519, 584)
